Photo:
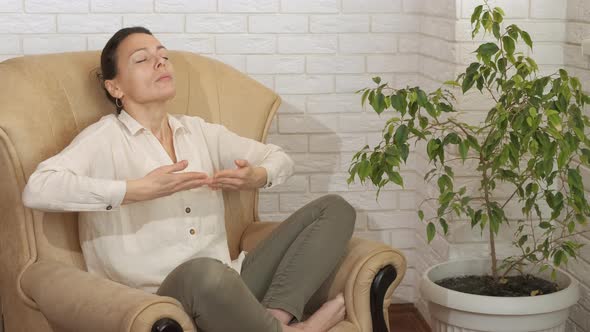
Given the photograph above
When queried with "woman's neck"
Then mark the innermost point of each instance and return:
(152, 117)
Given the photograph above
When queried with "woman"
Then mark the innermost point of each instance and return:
(148, 187)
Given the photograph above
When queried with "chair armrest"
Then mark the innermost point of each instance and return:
(367, 275)
(76, 300)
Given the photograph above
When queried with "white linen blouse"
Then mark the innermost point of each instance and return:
(139, 244)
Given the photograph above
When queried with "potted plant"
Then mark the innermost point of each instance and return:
(532, 142)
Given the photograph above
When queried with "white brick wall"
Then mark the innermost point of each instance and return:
(578, 28)
(557, 27)
(316, 54)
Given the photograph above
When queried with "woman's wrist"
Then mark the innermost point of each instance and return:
(134, 192)
(261, 176)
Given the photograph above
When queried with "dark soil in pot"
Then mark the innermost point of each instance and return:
(521, 285)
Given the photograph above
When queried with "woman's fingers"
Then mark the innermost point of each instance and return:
(179, 166)
(228, 181)
(229, 173)
(191, 185)
(224, 187)
(189, 176)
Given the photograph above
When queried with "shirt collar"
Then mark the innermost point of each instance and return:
(134, 126)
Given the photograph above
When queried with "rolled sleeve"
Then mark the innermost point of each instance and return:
(279, 168)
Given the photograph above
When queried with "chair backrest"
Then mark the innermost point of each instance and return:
(46, 100)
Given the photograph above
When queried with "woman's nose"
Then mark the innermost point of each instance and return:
(160, 62)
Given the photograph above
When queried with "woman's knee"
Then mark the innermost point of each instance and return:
(345, 210)
(199, 276)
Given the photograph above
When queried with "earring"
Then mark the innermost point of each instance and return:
(117, 101)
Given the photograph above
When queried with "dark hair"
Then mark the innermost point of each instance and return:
(108, 57)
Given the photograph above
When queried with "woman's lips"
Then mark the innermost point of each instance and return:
(164, 78)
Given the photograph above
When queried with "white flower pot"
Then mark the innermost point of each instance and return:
(461, 312)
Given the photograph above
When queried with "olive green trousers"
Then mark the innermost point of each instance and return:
(282, 272)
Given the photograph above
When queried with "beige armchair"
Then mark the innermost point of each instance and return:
(45, 101)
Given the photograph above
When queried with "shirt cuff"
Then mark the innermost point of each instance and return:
(269, 177)
(116, 190)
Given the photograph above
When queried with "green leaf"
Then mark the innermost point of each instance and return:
(424, 122)
(417, 133)
(399, 102)
(488, 49)
(486, 21)
(532, 63)
(571, 226)
(509, 44)
(401, 134)
(432, 148)
(430, 231)
(449, 171)
(421, 215)
(444, 182)
(563, 75)
(562, 159)
(473, 142)
(513, 31)
(451, 138)
(496, 30)
(502, 64)
(444, 225)
(468, 82)
(377, 79)
(499, 10)
(558, 257)
(497, 17)
(527, 38)
(463, 149)
(476, 13)
(446, 198)
(545, 225)
(452, 83)
(364, 97)
(574, 179)
(364, 169)
(422, 98)
(396, 178)
(378, 102)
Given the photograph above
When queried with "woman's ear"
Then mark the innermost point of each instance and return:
(113, 89)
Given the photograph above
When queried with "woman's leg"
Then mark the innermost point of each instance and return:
(288, 267)
(217, 299)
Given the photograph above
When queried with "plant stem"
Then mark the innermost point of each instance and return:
(492, 241)
(486, 190)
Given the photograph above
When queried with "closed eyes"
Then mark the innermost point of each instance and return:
(142, 60)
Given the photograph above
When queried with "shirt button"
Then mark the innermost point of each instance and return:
(187, 210)
(109, 207)
(192, 231)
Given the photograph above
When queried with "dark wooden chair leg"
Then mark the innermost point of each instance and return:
(380, 284)
(166, 325)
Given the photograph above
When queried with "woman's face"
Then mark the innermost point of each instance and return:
(144, 74)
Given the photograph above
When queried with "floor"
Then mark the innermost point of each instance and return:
(406, 318)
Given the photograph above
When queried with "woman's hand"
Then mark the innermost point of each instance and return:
(245, 177)
(162, 181)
